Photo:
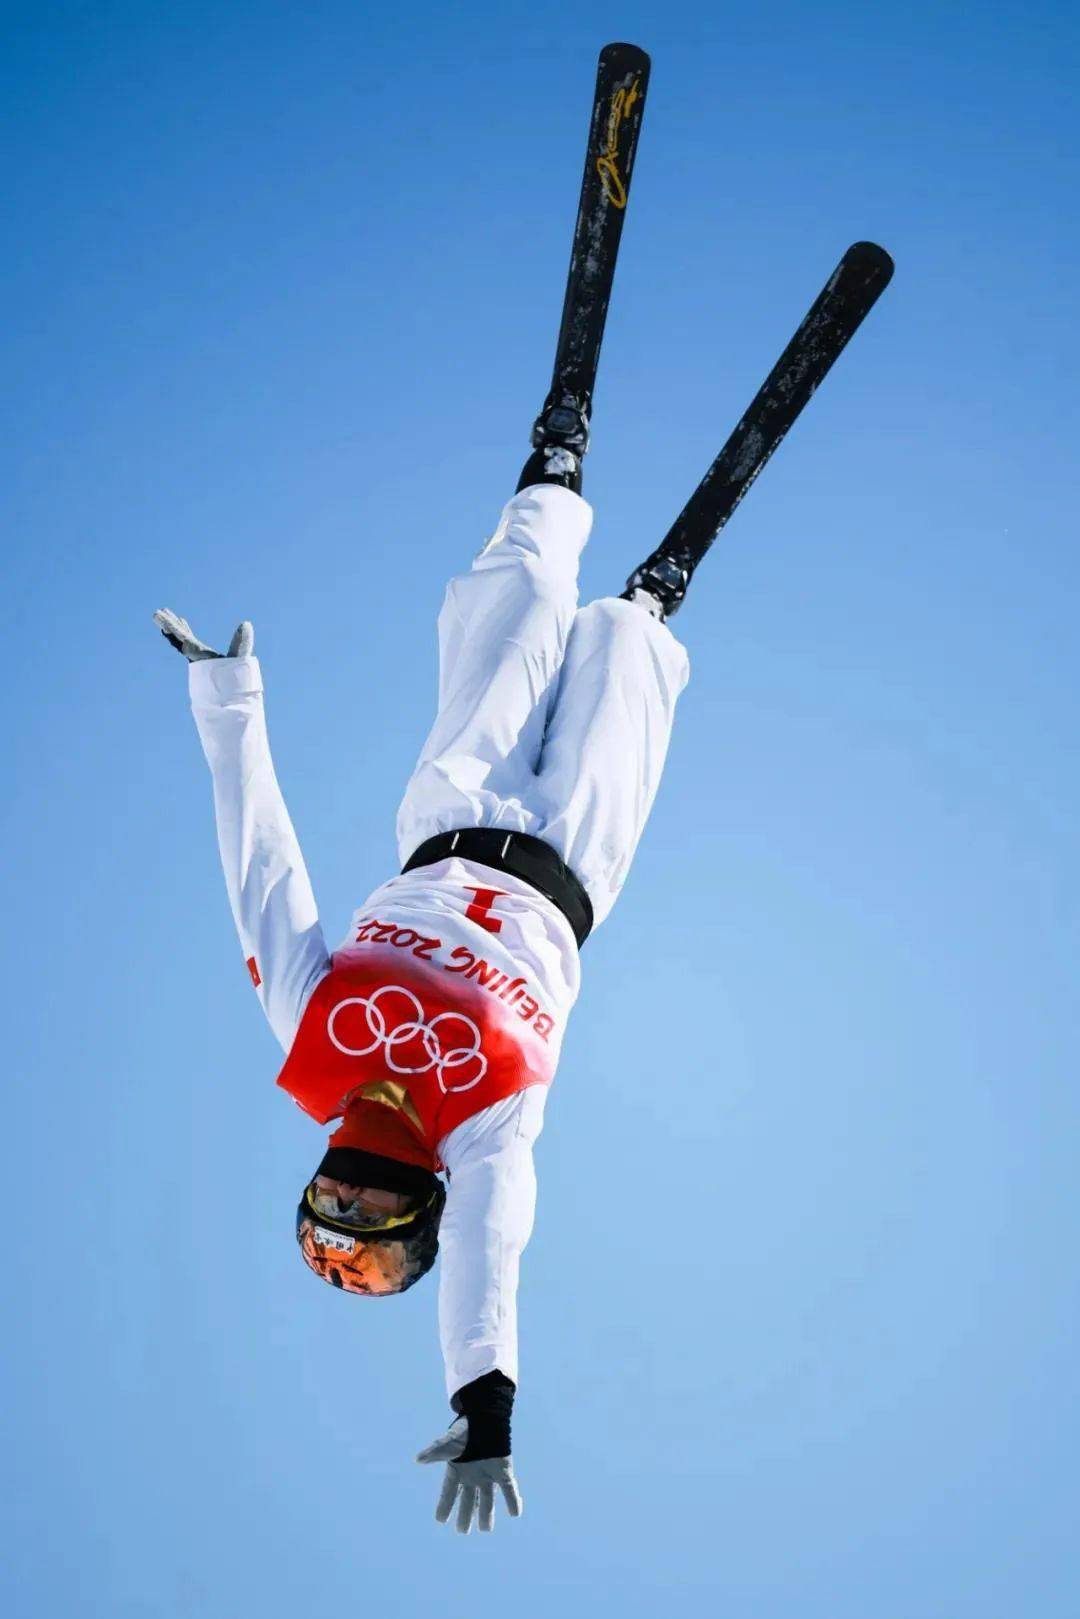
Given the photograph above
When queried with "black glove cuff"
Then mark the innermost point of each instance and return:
(487, 1404)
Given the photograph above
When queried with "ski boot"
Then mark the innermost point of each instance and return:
(659, 585)
(561, 437)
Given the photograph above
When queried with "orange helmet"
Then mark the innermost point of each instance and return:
(373, 1254)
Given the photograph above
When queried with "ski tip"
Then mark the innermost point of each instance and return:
(873, 258)
(628, 56)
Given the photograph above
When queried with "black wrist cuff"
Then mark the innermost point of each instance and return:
(487, 1403)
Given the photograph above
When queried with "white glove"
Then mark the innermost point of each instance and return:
(178, 632)
(474, 1481)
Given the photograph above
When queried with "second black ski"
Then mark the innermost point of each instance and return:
(843, 304)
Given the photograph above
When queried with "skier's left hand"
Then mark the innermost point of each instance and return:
(179, 633)
(473, 1482)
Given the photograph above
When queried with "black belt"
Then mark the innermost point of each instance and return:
(529, 858)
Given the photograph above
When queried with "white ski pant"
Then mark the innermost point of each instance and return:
(553, 719)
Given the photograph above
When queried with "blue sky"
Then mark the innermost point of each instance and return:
(799, 1318)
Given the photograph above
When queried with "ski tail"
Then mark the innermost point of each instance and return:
(622, 79)
(836, 315)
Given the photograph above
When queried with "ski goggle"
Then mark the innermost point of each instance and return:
(374, 1269)
(356, 1216)
(375, 1261)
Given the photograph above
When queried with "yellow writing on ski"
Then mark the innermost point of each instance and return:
(607, 164)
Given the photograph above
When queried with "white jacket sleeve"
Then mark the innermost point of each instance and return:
(269, 891)
(490, 1205)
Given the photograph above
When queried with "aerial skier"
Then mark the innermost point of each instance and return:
(429, 1038)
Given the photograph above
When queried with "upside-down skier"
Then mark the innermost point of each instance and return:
(429, 1038)
(433, 1031)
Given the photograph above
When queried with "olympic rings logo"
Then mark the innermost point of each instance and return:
(400, 1027)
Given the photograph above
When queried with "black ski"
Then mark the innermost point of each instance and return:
(621, 80)
(847, 298)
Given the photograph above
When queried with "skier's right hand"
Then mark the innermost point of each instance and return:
(476, 1450)
(178, 632)
(470, 1486)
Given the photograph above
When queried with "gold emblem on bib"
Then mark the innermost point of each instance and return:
(392, 1095)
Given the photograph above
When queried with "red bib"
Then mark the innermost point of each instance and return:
(405, 1054)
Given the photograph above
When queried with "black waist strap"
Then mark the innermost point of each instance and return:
(529, 858)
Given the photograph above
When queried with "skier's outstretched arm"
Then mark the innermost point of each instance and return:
(269, 890)
(488, 1221)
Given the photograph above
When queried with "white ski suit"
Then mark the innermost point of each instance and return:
(552, 720)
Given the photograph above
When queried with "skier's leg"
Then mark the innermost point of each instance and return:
(607, 741)
(503, 632)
